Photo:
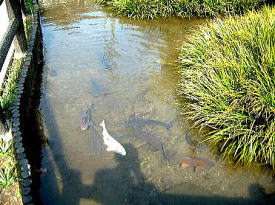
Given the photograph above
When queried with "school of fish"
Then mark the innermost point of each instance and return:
(137, 122)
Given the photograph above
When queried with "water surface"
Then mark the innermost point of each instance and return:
(118, 65)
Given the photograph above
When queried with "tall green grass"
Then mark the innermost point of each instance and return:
(228, 83)
(149, 9)
(7, 92)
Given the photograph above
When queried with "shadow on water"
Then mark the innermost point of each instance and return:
(124, 184)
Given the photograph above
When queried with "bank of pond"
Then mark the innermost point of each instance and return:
(149, 9)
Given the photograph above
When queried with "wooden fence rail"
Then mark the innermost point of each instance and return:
(15, 31)
(14, 34)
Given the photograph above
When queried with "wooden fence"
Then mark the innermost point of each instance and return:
(13, 43)
(13, 34)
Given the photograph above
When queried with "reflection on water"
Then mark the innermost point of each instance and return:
(115, 65)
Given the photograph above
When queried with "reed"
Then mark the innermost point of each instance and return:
(149, 9)
(228, 84)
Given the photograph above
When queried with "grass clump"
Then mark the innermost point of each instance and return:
(7, 92)
(149, 9)
(8, 170)
(228, 83)
(9, 176)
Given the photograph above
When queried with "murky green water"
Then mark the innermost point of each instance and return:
(117, 64)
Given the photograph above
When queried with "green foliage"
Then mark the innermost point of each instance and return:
(8, 91)
(8, 170)
(149, 9)
(29, 6)
(8, 174)
(228, 83)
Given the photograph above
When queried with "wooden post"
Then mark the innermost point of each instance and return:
(14, 11)
(23, 8)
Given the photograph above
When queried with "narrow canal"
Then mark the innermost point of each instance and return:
(116, 66)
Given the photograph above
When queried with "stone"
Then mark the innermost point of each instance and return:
(18, 144)
(25, 174)
(20, 150)
(26, 198)
(26, 190)
(21, 156)
(26, 182)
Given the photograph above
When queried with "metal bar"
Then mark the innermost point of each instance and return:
(7, 39)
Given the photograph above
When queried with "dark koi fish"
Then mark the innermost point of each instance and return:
(139, 122)
(152, 141)
(85, 121)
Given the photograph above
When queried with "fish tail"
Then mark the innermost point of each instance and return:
(102, 123)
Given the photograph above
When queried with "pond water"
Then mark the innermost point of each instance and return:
(123, 69)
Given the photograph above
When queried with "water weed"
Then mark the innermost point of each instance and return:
(228, 84)
(149, 9)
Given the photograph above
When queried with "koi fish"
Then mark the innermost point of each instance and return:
(138, 123)
(112, 144)
(187, 161)
(85, 121)
(153, 142)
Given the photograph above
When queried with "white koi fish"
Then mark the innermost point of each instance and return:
(112, 144)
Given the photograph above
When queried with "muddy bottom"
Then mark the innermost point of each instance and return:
(123, 71)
